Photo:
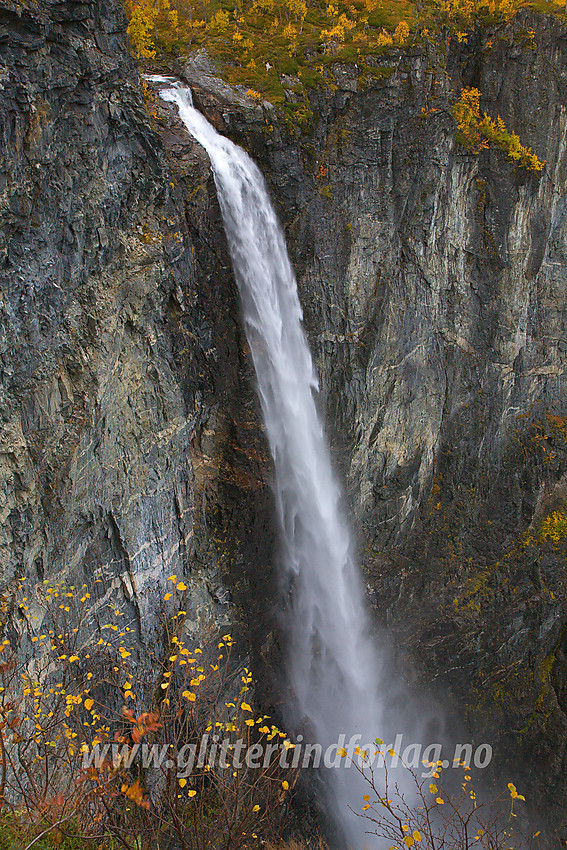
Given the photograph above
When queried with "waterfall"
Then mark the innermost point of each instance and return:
(333, 668)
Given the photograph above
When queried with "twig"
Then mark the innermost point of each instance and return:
(49, 828)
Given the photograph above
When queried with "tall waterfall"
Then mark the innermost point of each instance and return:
(332, 666)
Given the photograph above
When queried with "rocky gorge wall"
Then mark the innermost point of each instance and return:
(433, 284)
(110, 375)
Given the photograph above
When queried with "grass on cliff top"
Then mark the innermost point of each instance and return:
(547, 7)
(280, 49)
(257, 42)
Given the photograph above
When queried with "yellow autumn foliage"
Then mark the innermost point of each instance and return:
(477, 131)
(143, 25)
(554, 527)
(401, 33)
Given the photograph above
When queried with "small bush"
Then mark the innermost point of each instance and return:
(554, 527)
(430, 816)
(477, 132)
(99, 743)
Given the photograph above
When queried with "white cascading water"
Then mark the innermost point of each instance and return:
(332, 668)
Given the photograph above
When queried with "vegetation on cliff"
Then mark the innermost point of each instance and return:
(279, 49)
(289, 34)
(93, 749)
(98, 742)
(476, 131)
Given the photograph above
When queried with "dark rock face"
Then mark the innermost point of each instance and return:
(88, 394)
(435, 295)
(433, 285)
(110, 384)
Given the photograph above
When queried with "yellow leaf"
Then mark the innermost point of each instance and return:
(285, 785)
(408, 841)
(168, 596)
(245, 707)
(440, 801)
(433, 789)
(181, 586)
(73, 658)
(256, 808)
(416, 835)
(89, 704)
(182, 783)
(191, 793)
(188, 695)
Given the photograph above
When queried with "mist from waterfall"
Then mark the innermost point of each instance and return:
(333, 669)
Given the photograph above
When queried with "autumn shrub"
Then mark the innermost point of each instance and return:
(477, 131)
(465, 14)
(433, 814)
(97, 743)
(554, 527)
(152, 25)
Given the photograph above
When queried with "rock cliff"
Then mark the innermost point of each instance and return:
(433, 284)
(110, 375)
